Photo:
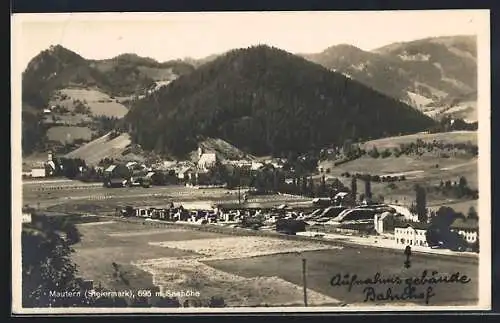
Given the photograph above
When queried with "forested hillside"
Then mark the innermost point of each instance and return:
(266, 101)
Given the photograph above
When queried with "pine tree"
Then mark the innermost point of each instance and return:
(472, 214)
(354, 189)
(421, 202)
(322, 189)
(368, 190)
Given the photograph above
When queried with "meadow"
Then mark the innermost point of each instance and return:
(99, 102)
(68, 134)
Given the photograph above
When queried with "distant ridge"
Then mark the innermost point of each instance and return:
(423, 73)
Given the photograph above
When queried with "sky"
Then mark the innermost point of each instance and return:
(166, 36)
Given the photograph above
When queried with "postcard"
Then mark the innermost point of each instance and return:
(238, 162)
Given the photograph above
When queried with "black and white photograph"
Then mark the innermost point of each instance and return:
(214, 162)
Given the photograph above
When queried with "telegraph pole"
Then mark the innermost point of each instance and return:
(239, 189)
(304, 281)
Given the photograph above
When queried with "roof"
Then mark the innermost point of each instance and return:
(132, 163)
(51, 164)
(414, 225)
(110, 168)
(184, 169)
(208, 158)
(341, 194)
(464, 224)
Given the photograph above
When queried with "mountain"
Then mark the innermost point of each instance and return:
(198, 62)
(423, 73)
(59, 77)
(136, 72)
(127, 74)
(264, 101)
(54, 68)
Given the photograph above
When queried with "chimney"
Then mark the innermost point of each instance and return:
(49, 157)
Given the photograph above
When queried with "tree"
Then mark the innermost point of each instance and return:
(472, 214)
(462, 186)
(386, 153)
(368, 190)
(421, 203)
(439, 232)
(374, 153)
(354, 188)
(322, 190)
(46, 263)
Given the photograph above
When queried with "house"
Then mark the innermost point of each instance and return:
(206, 161)
(184, 172)
(384, 222)
(26, 218)
(468, 229)
(38, 172)
(117, 172)
(343, 198)
(411, 234)
(131, 164)
(256, 165)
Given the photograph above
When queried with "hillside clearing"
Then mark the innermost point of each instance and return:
(99, 102)
(100, 148)
(222, 148)
(68, 119)
(68, 134)
(447, 137)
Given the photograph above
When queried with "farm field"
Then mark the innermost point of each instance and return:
(99, 103)
(66, 134)
(364, 262)
(427, 170)
(449, 137)
(100, 148)
(68, 120)
(95, 198)
(248, 271)
(168, 259)
(420, 171)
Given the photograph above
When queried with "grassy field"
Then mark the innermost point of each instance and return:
(100, 103)
(100, 148)
(68, 120)
(422, 171)
(364, 262)
(427, 170)
(248, 271)
(448, 137)
(150, 257)
(158, 74)
(66, 134)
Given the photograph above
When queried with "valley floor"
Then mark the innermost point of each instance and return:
(249, 271)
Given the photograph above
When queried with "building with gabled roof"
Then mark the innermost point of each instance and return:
(467, 228)
(206, 161)
(411, 234)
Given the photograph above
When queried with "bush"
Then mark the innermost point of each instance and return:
(392, 186)
(386, 153)
(217, 301)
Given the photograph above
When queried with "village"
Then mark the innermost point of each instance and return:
(253, 200)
